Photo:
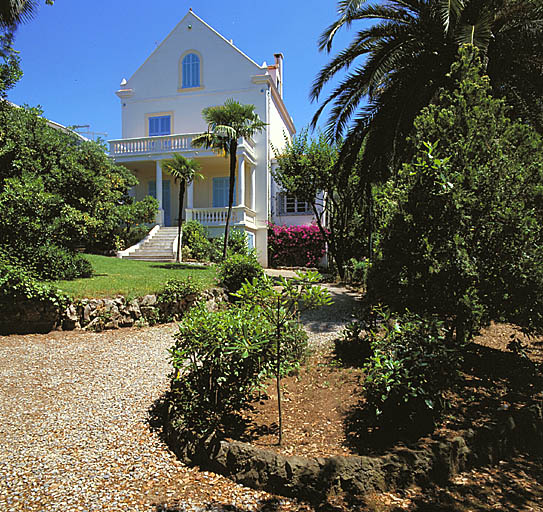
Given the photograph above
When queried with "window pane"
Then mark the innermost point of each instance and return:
(191, 71)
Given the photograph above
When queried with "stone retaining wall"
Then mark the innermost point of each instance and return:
(432, 460)
(100, 314)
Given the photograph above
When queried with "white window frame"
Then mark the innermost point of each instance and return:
(297, 206)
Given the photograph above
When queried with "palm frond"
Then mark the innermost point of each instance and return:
(450, 11)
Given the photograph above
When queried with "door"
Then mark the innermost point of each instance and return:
(166, 199)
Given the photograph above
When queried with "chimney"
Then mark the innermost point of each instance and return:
(279, 64)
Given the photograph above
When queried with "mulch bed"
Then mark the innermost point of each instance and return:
(320, 402)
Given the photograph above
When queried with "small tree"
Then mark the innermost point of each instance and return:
(281, 305)
(464, 241)
(309, 170)
(184, 171)
(226, 124)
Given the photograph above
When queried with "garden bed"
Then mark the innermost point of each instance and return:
(328, 450)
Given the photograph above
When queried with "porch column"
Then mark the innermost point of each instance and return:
(253, 188)
(241, 181)
(160, 214)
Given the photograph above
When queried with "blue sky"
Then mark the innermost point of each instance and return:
(75, 53)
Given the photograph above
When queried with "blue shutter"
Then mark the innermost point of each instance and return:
(152, 188)
(220, 192)
(159, 125)
(191, 71)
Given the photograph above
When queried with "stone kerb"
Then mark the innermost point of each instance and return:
(313, 479)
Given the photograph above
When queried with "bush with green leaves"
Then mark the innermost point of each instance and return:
(357, 270)
(219, 359)
(195, 238)
(20, 289)
(174, 293)
(51, 262)
(58, 190)
(237, 269)
(464, 240)
(412, 365)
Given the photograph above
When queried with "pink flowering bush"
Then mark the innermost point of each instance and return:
(295, 246)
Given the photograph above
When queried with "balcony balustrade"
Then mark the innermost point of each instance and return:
(164, 144)
(212, 217)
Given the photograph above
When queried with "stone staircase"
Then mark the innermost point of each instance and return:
(158, 248)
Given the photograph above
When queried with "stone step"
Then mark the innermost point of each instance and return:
(150, 258)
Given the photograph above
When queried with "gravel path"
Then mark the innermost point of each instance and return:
(74, 432)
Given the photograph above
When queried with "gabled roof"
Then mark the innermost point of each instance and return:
(192, 15)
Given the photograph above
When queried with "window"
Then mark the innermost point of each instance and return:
(159, 125)
(290, 205)
(190, 70)
(220, 192)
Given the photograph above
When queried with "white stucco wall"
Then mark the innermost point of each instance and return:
(155, 89)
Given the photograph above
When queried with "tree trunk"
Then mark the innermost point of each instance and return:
(278, 374)
(369, 199)
(233, 163)
(182, 185)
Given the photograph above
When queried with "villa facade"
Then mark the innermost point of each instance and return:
(161, 104)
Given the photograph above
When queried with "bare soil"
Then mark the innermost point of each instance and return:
(321, 402)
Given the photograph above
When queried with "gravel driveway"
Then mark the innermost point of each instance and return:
(74, 434)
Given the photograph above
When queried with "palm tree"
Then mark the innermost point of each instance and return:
(184, 171)
(408, 50)
(226, 124)
(15, 12)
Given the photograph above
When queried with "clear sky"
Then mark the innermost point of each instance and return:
(75, 53)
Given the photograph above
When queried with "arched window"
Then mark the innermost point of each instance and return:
(190, 69)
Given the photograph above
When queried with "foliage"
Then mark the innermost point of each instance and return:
(357, 271)
(175, 291)
(353, 347)
(465, 241)
(57, 189)
(411, 367)
(309, 170)
(185, 171)
(219, 359)
(195, 238)
(281, 305)
(399, 59)
(295, 246)
(226, 124)
(50, 262)
(236, 269)
(19, 286)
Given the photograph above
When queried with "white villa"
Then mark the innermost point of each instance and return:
(161, 105)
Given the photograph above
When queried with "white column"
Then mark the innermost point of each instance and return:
(253, 188)
(190, 196)
(241, 181)
(160, 216)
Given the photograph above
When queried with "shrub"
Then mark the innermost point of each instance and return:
(174, 293)
(237, 244)
(19, 289)
(357, 271)
(219, 359)
(293, 246)
(353, 347)
(51, 262)
(194, 237)
(238, 268)
(411, 367)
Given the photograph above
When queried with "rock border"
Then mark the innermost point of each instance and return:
(103, 314)
(316, 478)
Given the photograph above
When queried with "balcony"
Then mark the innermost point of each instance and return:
(215, 217)
(179, 143)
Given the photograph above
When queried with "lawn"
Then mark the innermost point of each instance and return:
(114, 276)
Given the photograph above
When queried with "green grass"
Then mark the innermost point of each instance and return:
(114, 276)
